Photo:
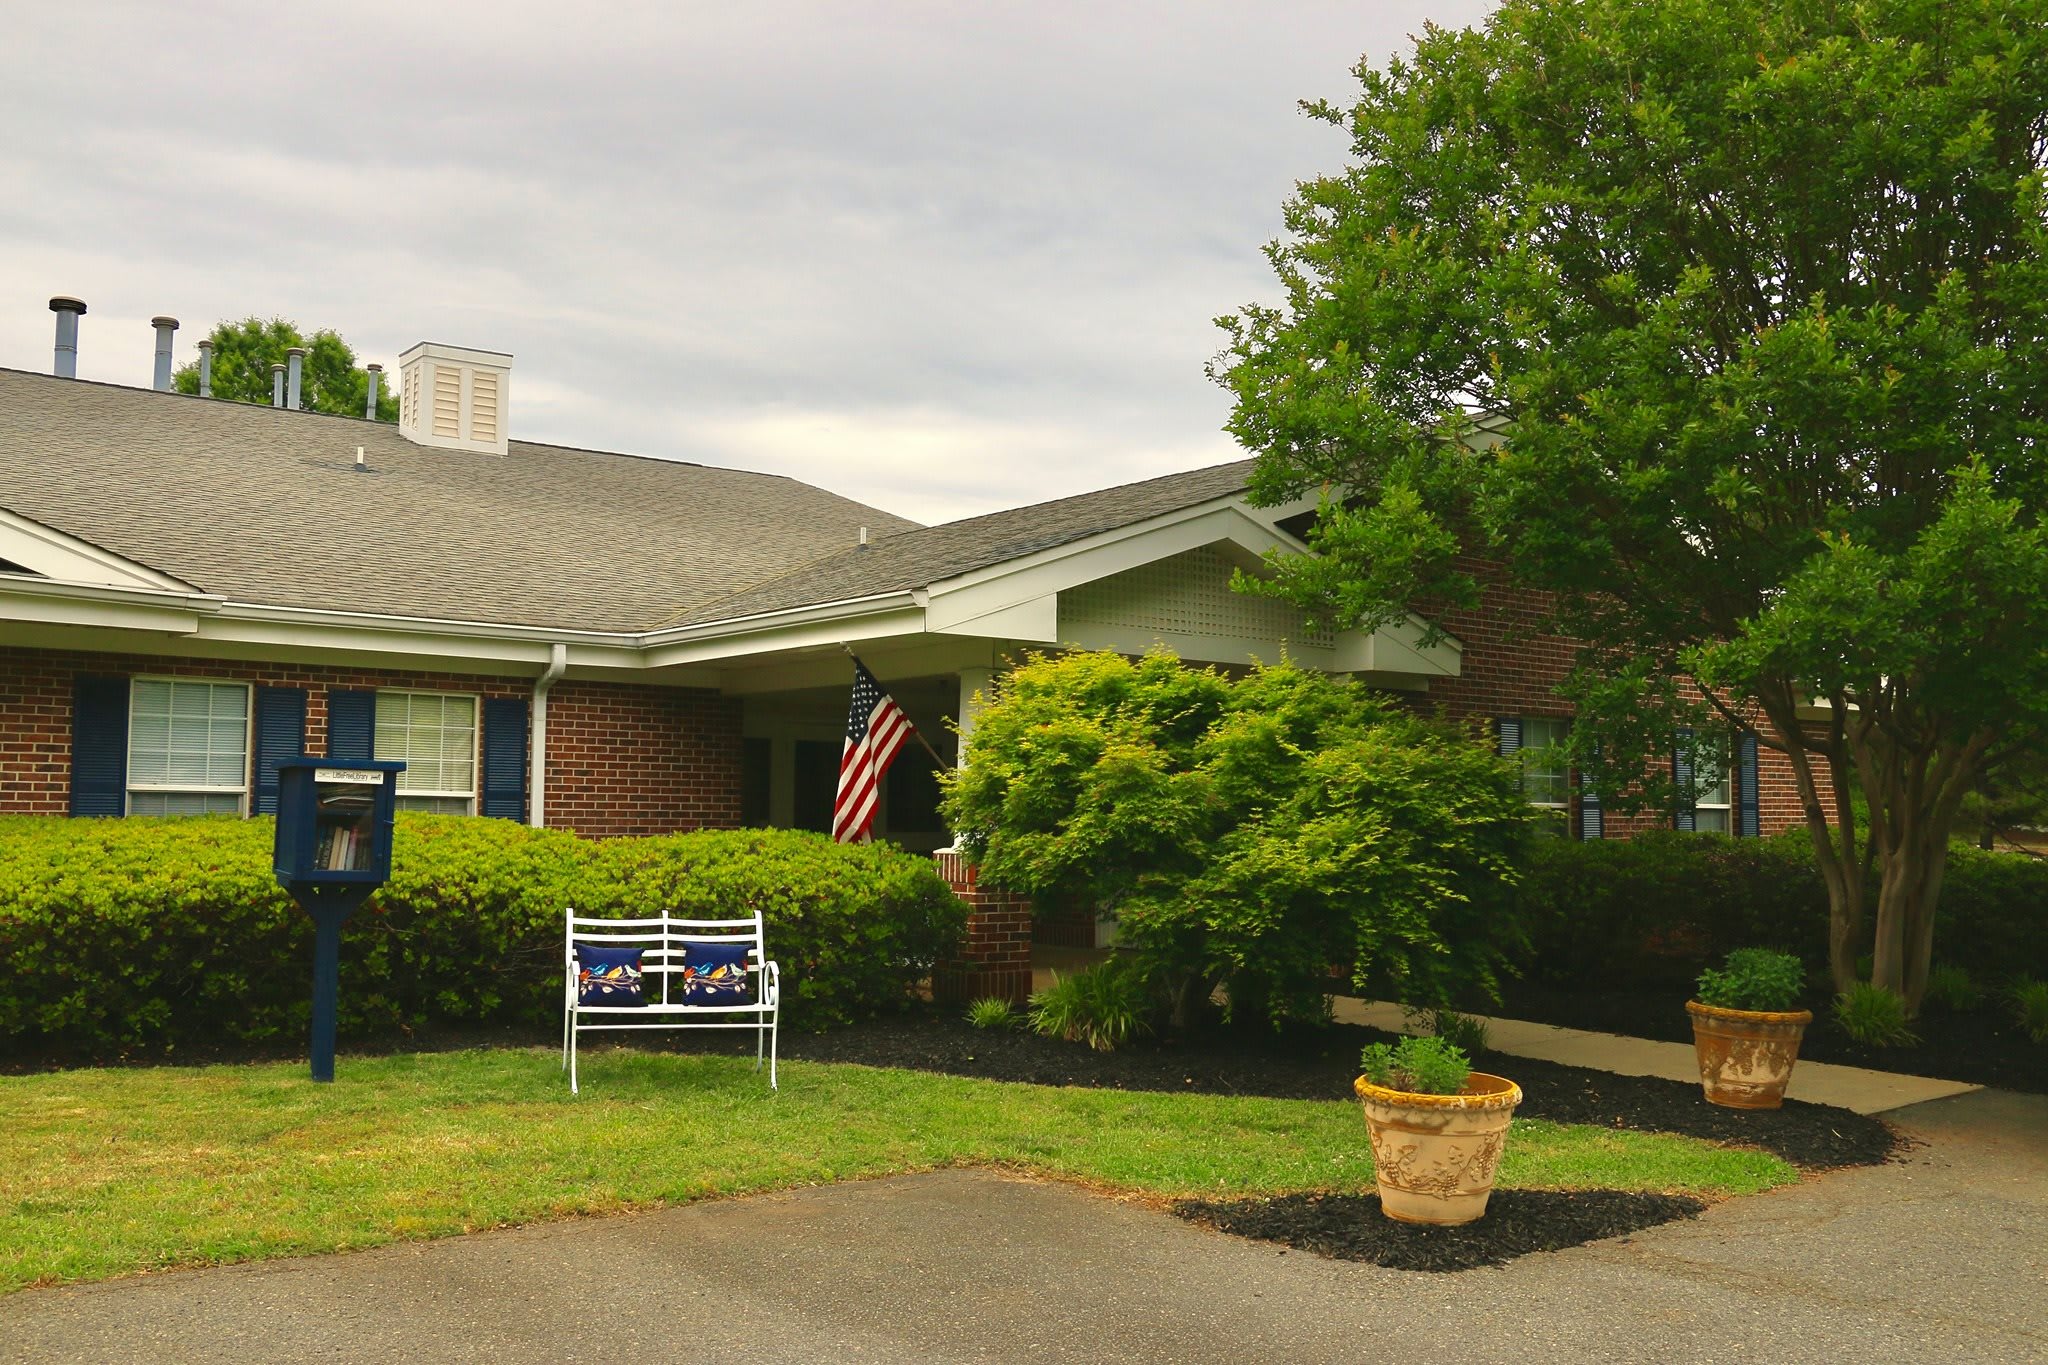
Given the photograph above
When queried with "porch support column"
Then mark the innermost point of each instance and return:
(973, 681)
(995, 957)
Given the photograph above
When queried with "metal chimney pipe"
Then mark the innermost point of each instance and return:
(68, 312)
(277, 383)
(206, 368)
(164, 328)
(376, 378)
(295, 357)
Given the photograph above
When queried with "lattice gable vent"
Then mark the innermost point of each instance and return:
(1187, 595)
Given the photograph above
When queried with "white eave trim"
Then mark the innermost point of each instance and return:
(75, 590)
(846, 608)
(53, 554)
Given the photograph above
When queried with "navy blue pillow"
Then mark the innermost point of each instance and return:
(715, 974)
(608, 976)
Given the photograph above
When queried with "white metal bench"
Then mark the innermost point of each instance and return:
(664, 944)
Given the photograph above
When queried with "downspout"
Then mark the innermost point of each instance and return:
(537, 772)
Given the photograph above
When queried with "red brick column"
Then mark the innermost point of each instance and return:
(995, 959)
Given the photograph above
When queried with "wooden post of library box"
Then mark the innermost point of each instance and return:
(333, 850)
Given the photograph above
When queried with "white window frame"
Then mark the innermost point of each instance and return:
(476, 741)
(1524, 750)
(241, 793)
(1726, 805)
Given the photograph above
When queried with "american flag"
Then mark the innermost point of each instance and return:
(875, 729)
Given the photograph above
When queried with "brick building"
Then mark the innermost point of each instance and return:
(192, 590)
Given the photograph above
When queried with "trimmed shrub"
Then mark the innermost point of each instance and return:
(172, 931)
(1649, 913)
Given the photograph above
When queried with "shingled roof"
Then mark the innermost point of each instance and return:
(264, 506)
(926, 555)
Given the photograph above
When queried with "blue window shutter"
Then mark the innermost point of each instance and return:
(351, 724)
(99, 746)
(1507, 732)
(1751, 822)
(280, 734)
(1686, 816)
(504, 793)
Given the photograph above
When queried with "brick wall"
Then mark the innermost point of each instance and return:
(1511, 668)
(627, 758)
(622, 758)
(995, 959)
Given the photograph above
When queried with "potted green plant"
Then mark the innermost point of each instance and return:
(1745, 1030)
(1437, 1129)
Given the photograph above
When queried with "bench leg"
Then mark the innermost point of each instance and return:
(572, 1060)
(775, 1023)
(568, 1022)
(760, 1043)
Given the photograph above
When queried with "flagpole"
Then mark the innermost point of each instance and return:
(915, 733)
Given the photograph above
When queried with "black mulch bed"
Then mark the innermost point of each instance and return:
(1351, 1227)
(1983, 1046)
(1321, 1064)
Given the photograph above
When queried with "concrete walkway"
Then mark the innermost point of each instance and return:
(1940, 1257)
(1847, 1087)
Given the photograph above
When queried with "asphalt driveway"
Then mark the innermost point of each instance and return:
(1943, 1255)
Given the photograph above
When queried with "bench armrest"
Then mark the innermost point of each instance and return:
(771, 984)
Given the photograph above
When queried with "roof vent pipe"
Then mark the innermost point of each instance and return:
(295, 358)
(68, 312)
(376, 377)
(164, 328)
(277, 383)
(206, 368)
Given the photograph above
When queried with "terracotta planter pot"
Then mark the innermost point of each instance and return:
(1434, 1155)
(1746, 1056)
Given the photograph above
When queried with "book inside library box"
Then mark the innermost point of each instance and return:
(343, 833)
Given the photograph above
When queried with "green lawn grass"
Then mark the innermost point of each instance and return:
(113, 1171)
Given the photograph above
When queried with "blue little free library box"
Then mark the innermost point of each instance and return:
(334, 819)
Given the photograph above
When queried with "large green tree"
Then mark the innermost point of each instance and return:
(331, 381)
(1751, 296)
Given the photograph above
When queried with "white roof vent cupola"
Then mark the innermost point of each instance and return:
(453, 397)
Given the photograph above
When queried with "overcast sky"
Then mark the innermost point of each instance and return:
(941, 258)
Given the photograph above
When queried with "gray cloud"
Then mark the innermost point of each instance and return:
(942, 258)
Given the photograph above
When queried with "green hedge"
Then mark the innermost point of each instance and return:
(1654, 910)
(140, 931)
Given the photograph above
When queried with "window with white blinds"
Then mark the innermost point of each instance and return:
(1712, 810)
(434, 733)
(1546, 777)
(188, 747)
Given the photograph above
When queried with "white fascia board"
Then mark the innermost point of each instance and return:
(844, 609)
(51, 553)
(1047, 572)
(905, 619)
(49, 602)
(1397, 648)
(1201, 649)
(1036, 620)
